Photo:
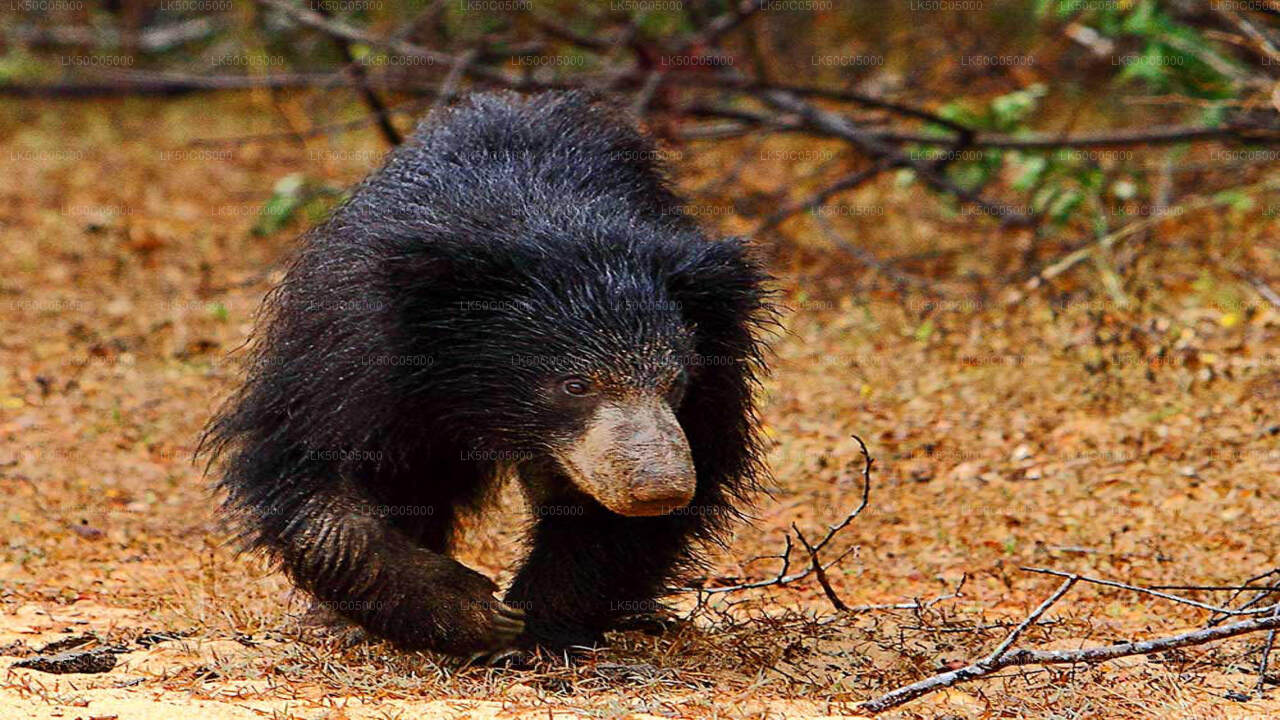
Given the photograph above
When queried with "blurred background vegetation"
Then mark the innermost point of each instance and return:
(1052, 124)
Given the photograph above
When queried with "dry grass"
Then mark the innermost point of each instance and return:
(1135, 441)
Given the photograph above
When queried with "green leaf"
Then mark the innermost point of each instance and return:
(280, 208)
(1012, 108)
(1032, 168)
(1062, 206)
(1234, 199)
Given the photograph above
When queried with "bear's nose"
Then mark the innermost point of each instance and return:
(661, 495)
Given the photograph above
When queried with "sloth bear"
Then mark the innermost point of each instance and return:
(516, 293)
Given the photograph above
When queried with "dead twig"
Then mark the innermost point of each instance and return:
(829, 123)
(844, 184)
(868, 258)
(1106, 242)
(449, 87)
(1156, 593)
(1148, 137)
(154, 39)
(361, 77)
(562, 32)
(782, 578)
(1004, 656)
(1030, 620)
(820, 572)
(409, 108)
(1263, 592)
(1265, 660)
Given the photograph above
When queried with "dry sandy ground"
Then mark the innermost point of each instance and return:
(1132, 438)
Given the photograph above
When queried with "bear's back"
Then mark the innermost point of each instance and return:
(498, 153)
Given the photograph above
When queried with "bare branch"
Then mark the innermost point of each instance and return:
(1265, 660)
(818, 570)
(1263, 593)
(839, 126)
(409, 108)
(1156, 593)
(334, 28)
(1031, 619)
(154, 39)
(361, 76)
(449, 87)
(144, 83)
(1158, 135)
(1004, 656)
(867, 462)
(562, 32)
(848, 182)
(725, 23)
(1093, 655)
(1259, 38)
(782, 578)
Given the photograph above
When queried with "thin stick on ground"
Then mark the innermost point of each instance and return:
(1106, 242)
(782, 578)
(1005, 657)
(1265, 660)
(1156, 593)
(868, 258)
(1263, 592)
(1031, 619)
(820, 572)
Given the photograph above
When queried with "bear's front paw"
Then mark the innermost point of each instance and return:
(474, 620)
(505, 625)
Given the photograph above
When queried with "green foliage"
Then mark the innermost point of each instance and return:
(1152, 49)
(1168, 56)
(18, 64)
(1007, 113)
(924, 331)
(662, 23)
(1235, 199)
(292, 196)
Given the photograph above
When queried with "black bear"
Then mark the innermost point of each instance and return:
(517, 292)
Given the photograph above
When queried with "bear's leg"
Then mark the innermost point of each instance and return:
(588, 568)
(424, 507)
(333, 543)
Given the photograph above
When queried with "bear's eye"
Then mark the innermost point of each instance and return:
(576, 386)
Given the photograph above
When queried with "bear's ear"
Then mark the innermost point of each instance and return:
(720, 290)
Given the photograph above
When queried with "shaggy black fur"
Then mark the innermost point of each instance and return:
(402, 366)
